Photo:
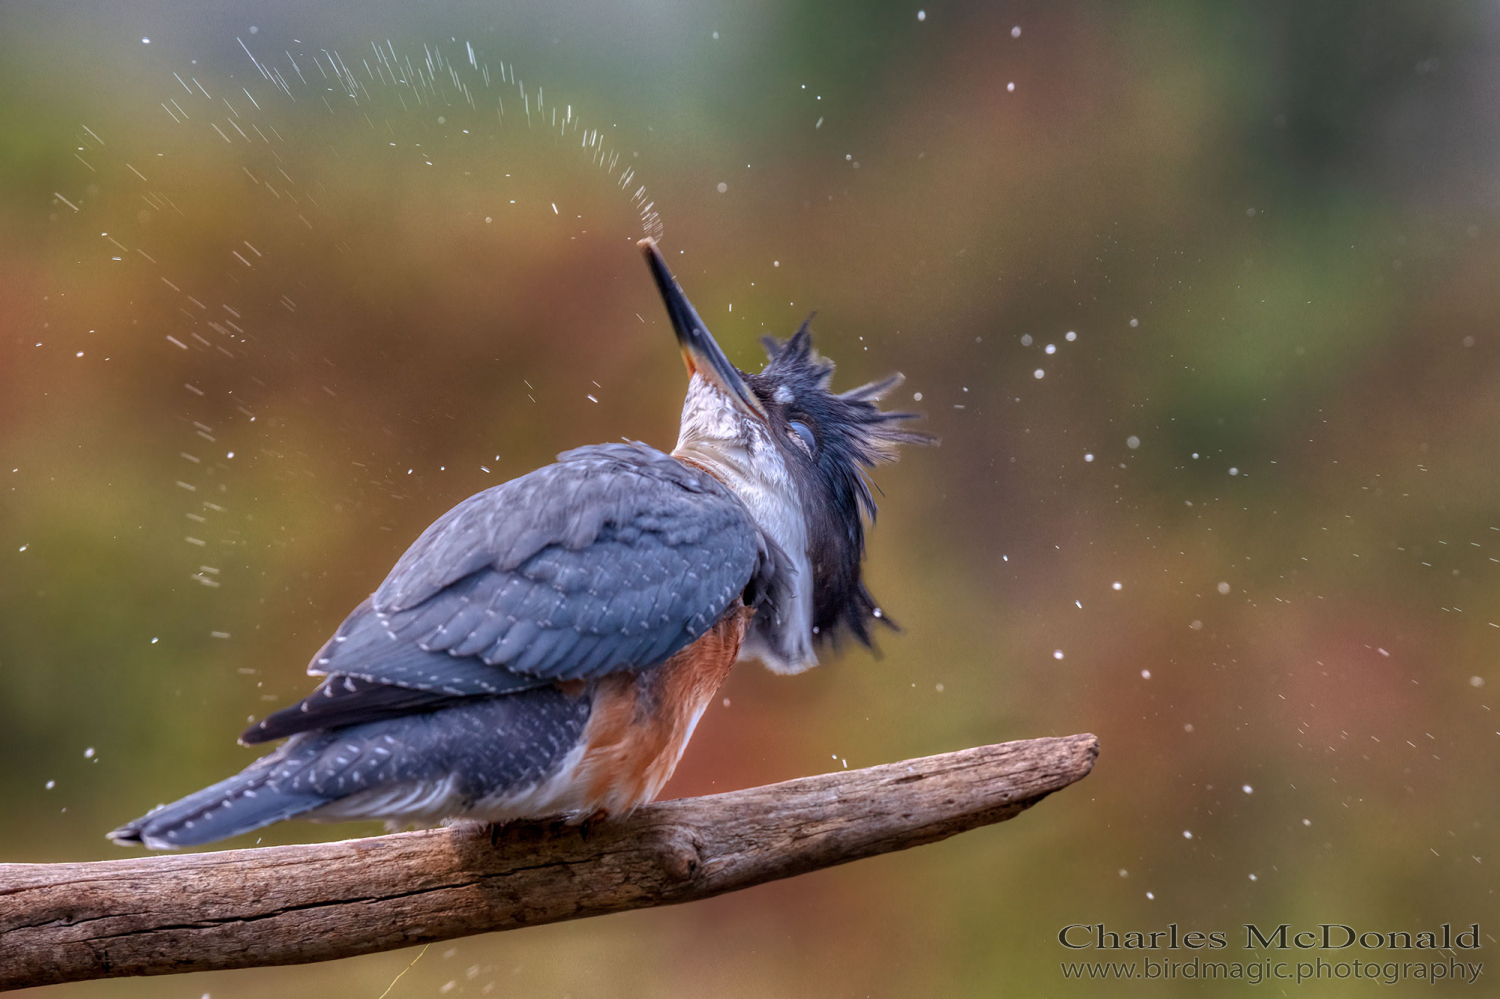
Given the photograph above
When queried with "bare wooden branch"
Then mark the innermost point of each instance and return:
(293, 904)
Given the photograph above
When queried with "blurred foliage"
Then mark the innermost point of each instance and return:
(1242, 525)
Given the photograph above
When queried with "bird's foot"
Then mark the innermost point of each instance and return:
(587, 825)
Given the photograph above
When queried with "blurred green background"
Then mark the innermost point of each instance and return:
(1201, 298)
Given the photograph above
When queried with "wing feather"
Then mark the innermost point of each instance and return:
(612, 559)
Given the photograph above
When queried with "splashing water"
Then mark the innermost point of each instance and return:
(327, 188)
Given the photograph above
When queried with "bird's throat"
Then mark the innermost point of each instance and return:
(776, 507)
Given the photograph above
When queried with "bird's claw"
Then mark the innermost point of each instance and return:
(587, 825)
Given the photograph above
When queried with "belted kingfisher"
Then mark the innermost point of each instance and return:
(547, 646)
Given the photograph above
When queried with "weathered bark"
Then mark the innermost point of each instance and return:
(293, 904)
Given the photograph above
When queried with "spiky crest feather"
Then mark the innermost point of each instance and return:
(852, 434)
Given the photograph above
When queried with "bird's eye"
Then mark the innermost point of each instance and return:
(805, 438)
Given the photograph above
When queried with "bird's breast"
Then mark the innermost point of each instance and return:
(640, 723)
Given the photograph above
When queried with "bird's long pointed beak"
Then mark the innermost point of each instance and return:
(699, 351)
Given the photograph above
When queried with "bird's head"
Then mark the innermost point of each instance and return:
(796, 452)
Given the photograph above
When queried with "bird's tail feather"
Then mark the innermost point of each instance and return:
(417, 768)
(246, 801)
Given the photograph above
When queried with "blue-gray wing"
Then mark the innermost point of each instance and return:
(612, 559)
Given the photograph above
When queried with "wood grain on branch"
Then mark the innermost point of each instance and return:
(293, 904)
